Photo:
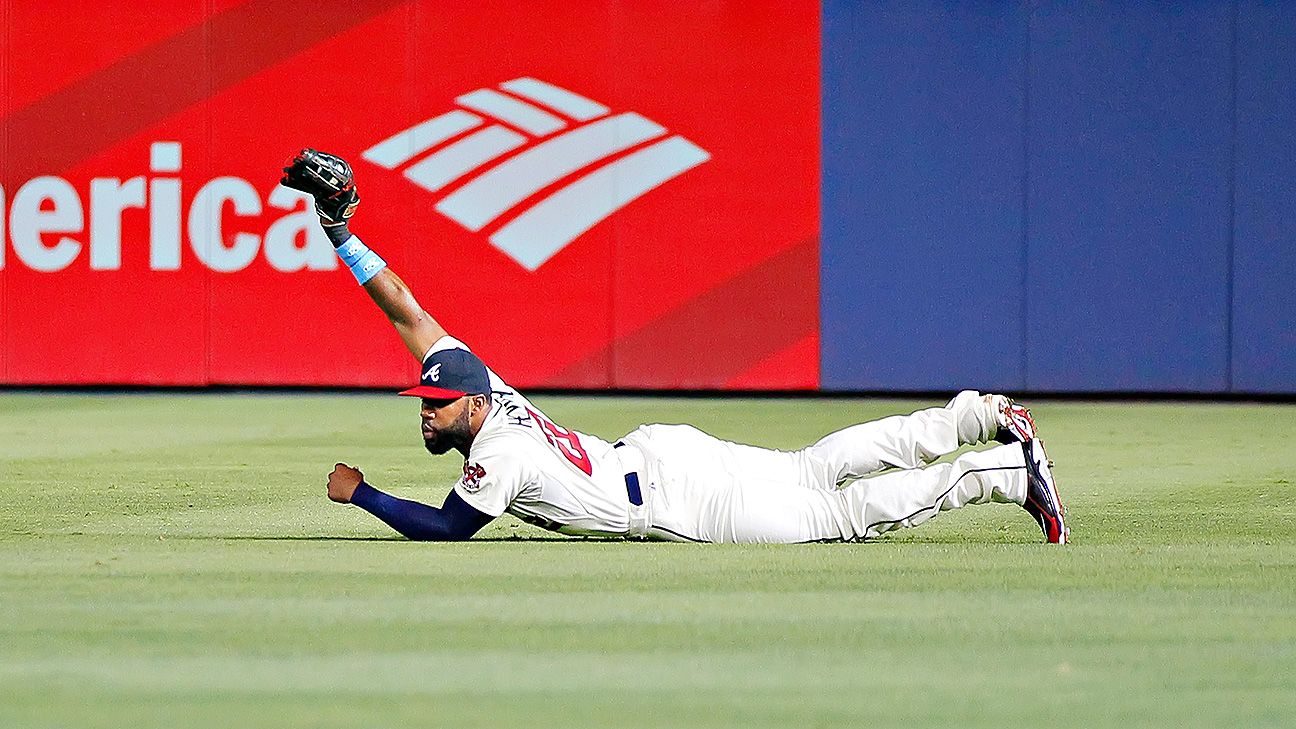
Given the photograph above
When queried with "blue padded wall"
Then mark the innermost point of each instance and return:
(922, 187)
(1264, 268)
(1059, 197)
(1128, 188)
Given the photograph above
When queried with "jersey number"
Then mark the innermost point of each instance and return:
(565, 441)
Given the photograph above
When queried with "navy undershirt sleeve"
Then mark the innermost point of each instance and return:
(454, 521)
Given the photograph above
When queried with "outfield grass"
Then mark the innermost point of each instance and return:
(172, 561)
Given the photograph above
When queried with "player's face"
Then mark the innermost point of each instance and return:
(445, 425)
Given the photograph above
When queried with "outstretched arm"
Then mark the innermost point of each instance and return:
(328, 179)
(454, 521)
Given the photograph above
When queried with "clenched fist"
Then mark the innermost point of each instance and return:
(342, 483)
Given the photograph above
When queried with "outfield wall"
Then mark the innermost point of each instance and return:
(1060, 196)
(612, 194)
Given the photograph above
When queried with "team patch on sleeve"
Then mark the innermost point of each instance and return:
(473, 473)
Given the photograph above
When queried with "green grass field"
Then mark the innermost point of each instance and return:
(171, 561)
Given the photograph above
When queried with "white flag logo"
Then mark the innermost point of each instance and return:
(525, 141)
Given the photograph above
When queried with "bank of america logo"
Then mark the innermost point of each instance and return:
(526, 138)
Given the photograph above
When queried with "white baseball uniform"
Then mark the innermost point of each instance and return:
(674, 482)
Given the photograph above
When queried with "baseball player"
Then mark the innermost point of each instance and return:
(668, 482)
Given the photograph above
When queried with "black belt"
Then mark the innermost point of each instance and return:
(632, 482)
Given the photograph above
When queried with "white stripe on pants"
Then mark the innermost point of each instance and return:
(707, 489)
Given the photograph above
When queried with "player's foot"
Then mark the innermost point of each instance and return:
(1015, 422)
(1042, 500)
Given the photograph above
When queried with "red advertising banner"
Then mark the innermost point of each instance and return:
(596, 194)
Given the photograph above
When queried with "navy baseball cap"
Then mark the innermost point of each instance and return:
(450, 374)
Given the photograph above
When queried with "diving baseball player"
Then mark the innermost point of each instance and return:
(668, 482)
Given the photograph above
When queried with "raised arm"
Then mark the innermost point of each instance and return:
(328, 179)
(415, 326)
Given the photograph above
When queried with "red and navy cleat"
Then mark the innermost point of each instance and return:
(1042, 500)
(1015, 422)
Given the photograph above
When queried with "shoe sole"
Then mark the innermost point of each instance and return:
(1044, 474)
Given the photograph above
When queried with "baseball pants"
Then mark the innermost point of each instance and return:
(856, 483)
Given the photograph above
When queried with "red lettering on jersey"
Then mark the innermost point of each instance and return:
(567, 442)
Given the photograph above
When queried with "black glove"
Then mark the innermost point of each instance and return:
(329, 180)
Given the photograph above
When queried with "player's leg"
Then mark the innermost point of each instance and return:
(763, 511)
(1018, 472)
(720, 501)
(907, 498)
(711, 490)
(909, 441)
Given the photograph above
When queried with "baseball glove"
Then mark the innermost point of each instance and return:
(328, 179)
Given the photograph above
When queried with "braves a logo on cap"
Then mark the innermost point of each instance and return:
(526, 137)
(451, 374)
(473, 473)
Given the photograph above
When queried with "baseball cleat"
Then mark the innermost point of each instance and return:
(1015, 422)
(1042, 500)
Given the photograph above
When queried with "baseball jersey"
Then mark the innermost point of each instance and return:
(524, 463)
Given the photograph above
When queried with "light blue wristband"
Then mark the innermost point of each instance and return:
(364, 263)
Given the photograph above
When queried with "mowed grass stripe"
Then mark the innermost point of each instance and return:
(171, 561)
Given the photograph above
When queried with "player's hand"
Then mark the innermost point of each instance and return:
(342, 483)
(328, 179)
